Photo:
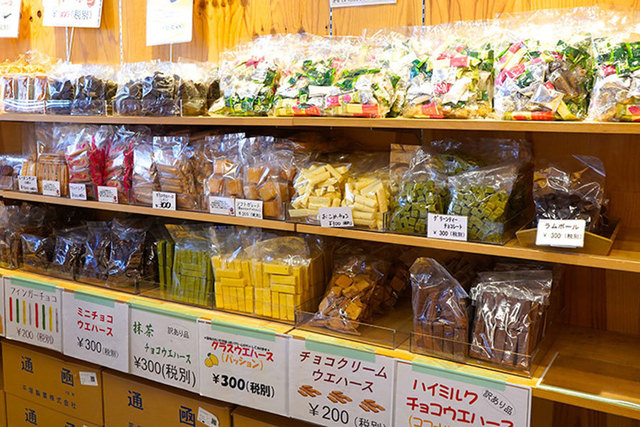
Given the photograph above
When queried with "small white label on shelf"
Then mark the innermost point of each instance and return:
(335, 217)
(244, 366)
(335, 385)
(72, 13)
(51, 188)
(447, 227)
(207, 418)
(9, 18)
(164, 201)
(78, 191)
(434, 395)
(33, 313)
(222, 205)
(354, 3)
(561, 233)
(28, 184)
(89, 378)
(107, 194)
(249, 208)
(164, 347)
(96, 329)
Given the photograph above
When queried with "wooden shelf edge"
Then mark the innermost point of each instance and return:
(350, 122)
(144, 210)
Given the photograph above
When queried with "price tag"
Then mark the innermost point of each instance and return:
(28, 184)
(89, 378)
(9, 18)
(249, 208)
(164, 201)
(447, 227)
(222, 205)
(72, 13)
(423, 392)
(561, 233)
(51, 188)
(244, 366)
(354, 3)
(34, 311)
(335, 217)
(78, 191)
(169, 21)
(96, 329)
(207, 418)
(335, 385)
(164, 347)
(107, 194)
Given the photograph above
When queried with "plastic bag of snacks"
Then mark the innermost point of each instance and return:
(195, 82)
(68, 252)
(144, 177)
(127, 101)
(126, 257)
(94, 90)
(37, 252)
(440, 310)
(192, 272)
(24, 83)
(421, 190)
(367, 194)
(160, 90)
(226, 179)
(316, 186)
(95, 257)
(172, 158)
(248, 76)
(10, 165)
(213, 91)
(86, 149)
(61, 87)
(17, 220)
(573, 192)
(509, 312)
(51, 169)
(118, 163)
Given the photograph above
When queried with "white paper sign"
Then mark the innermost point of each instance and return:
(432, 396)
(88, 378)
(207, 418)
(333, 385)
(107, 194)
(164, 201)
(222, 205)
(354, 3)
(169, 21)
(561, 233)
(28, 184)
(9, 18)
(96, 330)
(33, 313)
(72, 13)
(335, 217)
(447, 227)
(164, 348)
(244, 366)
(78, 191)
(51, 188)
(249, 208)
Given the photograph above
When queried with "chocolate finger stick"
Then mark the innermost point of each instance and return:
(365, 407)
(309, 390)
(333, 399)
(303, 392)
(373, 404)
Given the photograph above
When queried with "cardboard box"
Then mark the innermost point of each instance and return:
(130, 401)
(247, 417)
(3, 409)
(21, 412)
(54, 381)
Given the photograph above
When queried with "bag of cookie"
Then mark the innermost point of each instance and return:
(226, 179)
(68, 252)
(37, 252)
(94, 90)
(172, 158)
(61, 87)
(94, 262)
(126, 256)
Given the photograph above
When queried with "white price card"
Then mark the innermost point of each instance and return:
(2, 309)
(164, 346)
(354, 3)
(561, 233)
(51, 188)
(33, 312)
(207, 418)
(28, 184)
(244, 365)
(447, 227)
(96, 329)
(78, 191)
(222, 205)
(107, 194)
(433, 395)
(164, 201)
(169, 21)
(10, 18)
(249, 208)
(72, 13)
(339, 384)
(339, 217)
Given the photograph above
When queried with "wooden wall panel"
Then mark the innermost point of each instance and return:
(353, 20)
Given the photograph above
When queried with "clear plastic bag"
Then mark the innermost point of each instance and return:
(160, 90)
(172, 158)
(37, 252)
(572, 191)
(144, 176)
(24, 83)
(440, 310)
(195, 82)
(86, 147)
(127, 101)
(126, 258)
(367, 194)
(94, 90)
(93, 266)
(118, 164)
(51, 165)
(61, 88)
(226, 179)
(10, 165)
(68, 252)
(509, 316)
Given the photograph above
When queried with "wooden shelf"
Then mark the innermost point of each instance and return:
(144, 210)
(350, 122)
